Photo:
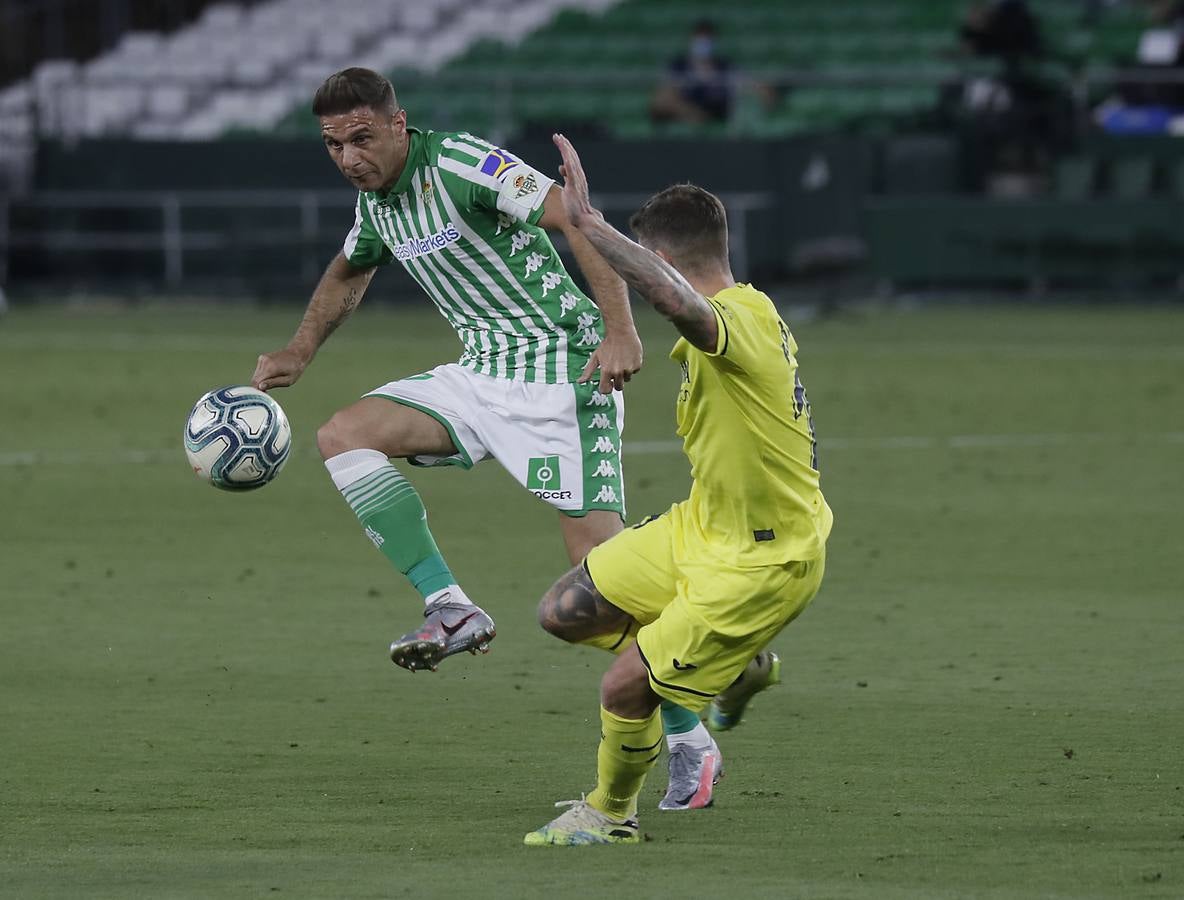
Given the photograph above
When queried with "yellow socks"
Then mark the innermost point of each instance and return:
(628, 750)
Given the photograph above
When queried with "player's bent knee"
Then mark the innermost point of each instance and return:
(625, 691)
(329, 439)
(339, 435)
(548, 613)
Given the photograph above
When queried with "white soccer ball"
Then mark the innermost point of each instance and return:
(237, 438)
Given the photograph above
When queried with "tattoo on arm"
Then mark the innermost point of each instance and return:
(575, 610)
(348, 304)
(334, 300)
(659, 283)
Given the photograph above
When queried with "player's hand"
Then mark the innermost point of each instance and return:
(618, 357)
(278, 369)
(575, 183)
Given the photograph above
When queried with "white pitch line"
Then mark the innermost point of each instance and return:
(123, 456)
(154, 343)
(950, 442)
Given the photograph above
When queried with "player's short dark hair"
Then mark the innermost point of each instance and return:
(352, 88)
(688, 223)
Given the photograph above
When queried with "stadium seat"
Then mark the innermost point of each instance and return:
(1074, 178)
(1130, 178)
(855, 63)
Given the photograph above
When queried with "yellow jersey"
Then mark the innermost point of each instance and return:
(747, 429)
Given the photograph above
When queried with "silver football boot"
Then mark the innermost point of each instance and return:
(448, 627)
(693, 776)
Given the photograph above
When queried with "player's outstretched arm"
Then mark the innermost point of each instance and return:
(337, 295)
(647, 273)
(620, 354)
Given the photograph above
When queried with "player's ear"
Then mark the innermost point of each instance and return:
(399, 120)
(663, 255)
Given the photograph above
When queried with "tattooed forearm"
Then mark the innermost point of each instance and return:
(608, 288)
(336, 297)
(348, 304)
(657, 281)
(574, 610)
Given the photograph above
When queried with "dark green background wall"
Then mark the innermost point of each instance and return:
(897, 208)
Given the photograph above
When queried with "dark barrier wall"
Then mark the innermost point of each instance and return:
(891, 207)
(811, 188)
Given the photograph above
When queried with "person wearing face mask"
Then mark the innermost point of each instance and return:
(698, 88)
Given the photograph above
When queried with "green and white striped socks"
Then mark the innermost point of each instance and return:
(393, 515)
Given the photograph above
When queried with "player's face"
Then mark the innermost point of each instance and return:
(369, 147)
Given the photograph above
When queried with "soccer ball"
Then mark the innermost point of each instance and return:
(237, 438)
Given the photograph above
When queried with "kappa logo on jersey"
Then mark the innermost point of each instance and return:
(413, 247)
(519, 240)
(497, 163)
(525, 185)
(542, 478)
(588, 338)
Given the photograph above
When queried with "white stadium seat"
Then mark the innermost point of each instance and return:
(249, 67)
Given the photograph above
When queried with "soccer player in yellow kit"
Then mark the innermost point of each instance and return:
(707, 585)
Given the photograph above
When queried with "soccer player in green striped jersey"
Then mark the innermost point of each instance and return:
(469, 222)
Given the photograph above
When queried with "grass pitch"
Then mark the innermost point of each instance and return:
(984, 701)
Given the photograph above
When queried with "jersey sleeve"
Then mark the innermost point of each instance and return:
(748, 339)
(493, 179)
(364, 248)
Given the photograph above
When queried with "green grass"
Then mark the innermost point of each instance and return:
(984, 701)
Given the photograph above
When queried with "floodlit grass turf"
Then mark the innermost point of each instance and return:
(985, 700)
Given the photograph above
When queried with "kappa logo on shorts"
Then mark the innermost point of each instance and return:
(543, 478)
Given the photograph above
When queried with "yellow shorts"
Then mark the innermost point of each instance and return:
(702, 619)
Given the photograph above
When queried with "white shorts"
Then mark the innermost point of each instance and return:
(562, 442)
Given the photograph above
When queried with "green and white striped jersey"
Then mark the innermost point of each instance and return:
(462, 219)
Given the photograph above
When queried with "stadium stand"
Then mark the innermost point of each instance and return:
(855, 100)
(860, 63)
(503, 63)
(245, 68)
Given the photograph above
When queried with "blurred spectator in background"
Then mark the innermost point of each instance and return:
(698, 86)
(1151, 100)
(1003, 28)
(1015, 118)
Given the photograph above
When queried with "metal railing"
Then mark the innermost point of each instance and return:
(296, 221)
